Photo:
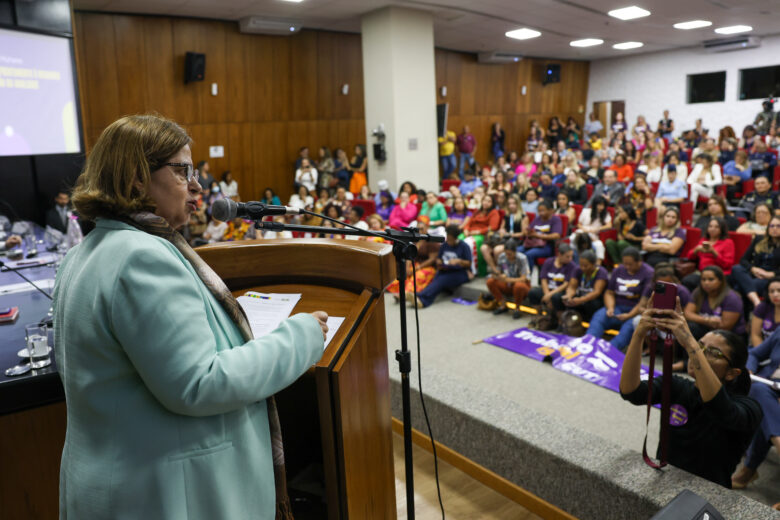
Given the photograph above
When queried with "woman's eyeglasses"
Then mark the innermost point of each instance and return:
(714, 353)
(185, 170)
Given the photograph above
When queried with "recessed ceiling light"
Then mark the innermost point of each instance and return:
(293, 1)
(627, 45)
(734, 29)
(693, 24)
(587, 42)
(522, 34)
(629, 13)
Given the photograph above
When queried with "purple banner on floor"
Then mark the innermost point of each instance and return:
(588, 357)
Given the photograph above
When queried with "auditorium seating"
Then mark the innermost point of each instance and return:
(692, 237)
(651, 218)
(369, 206)
(741, 244)
(686, 213)
(446, 184)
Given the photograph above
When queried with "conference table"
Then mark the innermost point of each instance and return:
(32, 405)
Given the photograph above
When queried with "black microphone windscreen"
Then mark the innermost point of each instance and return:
(224, 210)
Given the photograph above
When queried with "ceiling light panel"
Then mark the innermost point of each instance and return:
(522, 34)
(693, 24)
(629, 13)
(587, 42)
(733, 29)
(627, 45)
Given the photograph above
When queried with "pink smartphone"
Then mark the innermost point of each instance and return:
(665, 296)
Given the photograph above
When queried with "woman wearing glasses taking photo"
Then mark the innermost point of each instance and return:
(169, 406)
(714, 419)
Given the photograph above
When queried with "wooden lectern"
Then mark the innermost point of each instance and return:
(335, 419)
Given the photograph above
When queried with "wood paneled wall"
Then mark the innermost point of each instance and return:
(481, 94)
(277, 93)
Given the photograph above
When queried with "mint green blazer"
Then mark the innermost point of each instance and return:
(166, 402)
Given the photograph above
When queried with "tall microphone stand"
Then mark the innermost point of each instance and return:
(403, 249)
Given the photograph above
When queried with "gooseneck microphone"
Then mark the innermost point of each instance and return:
(228, 209)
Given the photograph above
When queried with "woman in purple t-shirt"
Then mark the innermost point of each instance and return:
(714, 305)
(766, 316)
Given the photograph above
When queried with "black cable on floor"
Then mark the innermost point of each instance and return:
(419, 384)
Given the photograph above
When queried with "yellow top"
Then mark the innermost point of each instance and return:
(447, 144)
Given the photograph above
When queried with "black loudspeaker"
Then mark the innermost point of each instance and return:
(552, 74)
(194, 67)
(688, 506)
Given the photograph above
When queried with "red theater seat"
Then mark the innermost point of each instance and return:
(447, 183)
(692, 237)
(741, 244)
(686, 213)
(651, 218)
(369, 206)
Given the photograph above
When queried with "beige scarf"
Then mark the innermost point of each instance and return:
(158, 226)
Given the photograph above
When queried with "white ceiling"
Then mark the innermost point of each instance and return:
(478, 26)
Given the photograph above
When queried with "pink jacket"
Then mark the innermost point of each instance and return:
(401, 217)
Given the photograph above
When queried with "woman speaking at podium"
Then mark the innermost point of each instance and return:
(169, 402)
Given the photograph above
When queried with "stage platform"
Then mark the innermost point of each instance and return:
(569, 442)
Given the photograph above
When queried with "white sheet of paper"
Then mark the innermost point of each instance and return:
(266, 311)
(333, 326)
(44, 284)
(41, 259)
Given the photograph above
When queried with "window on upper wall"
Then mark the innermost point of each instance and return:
(706, 88)
(761, 82)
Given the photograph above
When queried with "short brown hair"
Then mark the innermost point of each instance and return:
(118, 170)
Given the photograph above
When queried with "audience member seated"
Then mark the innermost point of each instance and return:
(511, 228)
(58, 216)
(716, 208)
(665, 241)
(735, 172)
(527, 167)
(229, 186)
(663, 273)
(302, 199)
(626, 285)
(609, 188)
(720, 418)
(575, 188)
(595, 173)
(714, 248)
(510, 277)
(344, 199)
(424, 264)
(541, 234)
(714, 305)
(459, 213)
(592, 221)
(623, 171)
(196, 226)
(478, 226)
(453, 264)
(303, 153)
(704, 177)
(762, 161)
(382, 185)
(365, 193)
(671, 191)
(332, 210)
(763, 194)
(766, 316)
(680, 167)
(530, 203)
(563, 207)
(759, 264)
(354, 218)
(501, 183)
(404, 213)
(652, 169)
(434, 210)
(547, 190)
(270, 197)
(768, 434)
(759, 220)
(385, 205)
(630, 232)
(640, 196)
(307, 175)
(411, 189)
(470, 182)
(585, 290)
(553, 279)
(239, 229)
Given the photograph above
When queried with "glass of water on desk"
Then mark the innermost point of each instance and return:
(38, 345)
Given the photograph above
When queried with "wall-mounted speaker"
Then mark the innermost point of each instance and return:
(194, 67)
(552, 74)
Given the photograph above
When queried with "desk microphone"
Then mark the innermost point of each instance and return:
(6, 266)
(227, 209)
